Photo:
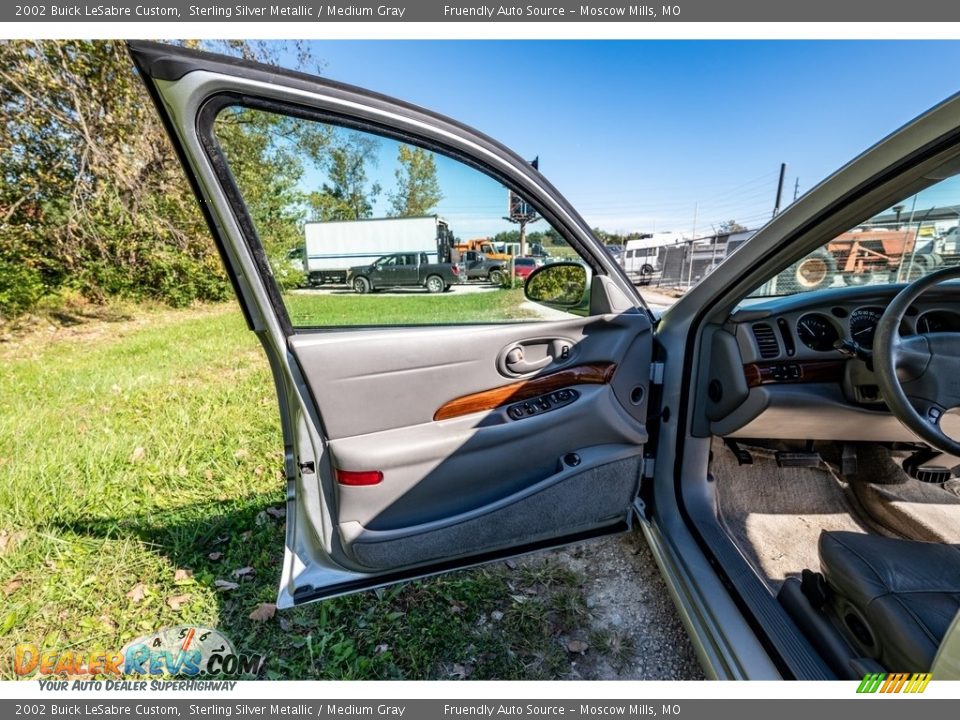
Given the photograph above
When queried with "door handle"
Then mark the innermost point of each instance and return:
(545, 352)
(515, 362)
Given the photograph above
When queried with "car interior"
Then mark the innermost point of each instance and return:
(833, 475)
(824, 494)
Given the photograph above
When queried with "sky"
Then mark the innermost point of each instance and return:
(653, 135)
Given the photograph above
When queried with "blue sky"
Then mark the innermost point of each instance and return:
(638, 133)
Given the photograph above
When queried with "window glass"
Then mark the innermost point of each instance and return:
(913, 238)
(361, 229)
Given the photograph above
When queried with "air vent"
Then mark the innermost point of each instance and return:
(766, 340)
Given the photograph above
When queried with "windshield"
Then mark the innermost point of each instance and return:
(913, 238)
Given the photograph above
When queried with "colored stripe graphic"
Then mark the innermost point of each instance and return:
(894, 683)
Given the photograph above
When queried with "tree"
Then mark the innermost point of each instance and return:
(267, 154)
(418, 190)
(730, 226)
(92, 196)
(345, 195)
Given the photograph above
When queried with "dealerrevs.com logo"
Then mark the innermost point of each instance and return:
(187, 650)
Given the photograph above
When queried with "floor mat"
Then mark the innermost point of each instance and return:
(775, 515)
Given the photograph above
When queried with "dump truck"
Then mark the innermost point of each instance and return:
(481, 245)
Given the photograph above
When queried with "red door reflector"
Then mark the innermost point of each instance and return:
(361, 477)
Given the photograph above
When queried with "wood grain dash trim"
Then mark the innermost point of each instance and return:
(592, 374)
(810, 371)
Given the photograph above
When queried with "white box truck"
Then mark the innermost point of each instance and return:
(331, 248)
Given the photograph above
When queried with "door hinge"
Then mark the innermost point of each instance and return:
(648, 467)
(656, 373)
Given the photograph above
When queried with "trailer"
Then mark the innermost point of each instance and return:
(859, 255)
(331, 248)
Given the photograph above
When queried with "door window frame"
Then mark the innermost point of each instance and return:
(206, 132)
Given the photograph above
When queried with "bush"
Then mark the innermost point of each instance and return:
(20, 288)
(508, 281)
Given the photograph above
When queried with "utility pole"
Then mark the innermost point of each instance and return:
(693, 239)
(776, 206)
(796, 189)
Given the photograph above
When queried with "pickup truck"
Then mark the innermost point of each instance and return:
(476, 266)
(403, 270)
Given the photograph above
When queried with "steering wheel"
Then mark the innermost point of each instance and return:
(919, 375)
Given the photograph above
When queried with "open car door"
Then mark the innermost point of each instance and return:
(423, 431)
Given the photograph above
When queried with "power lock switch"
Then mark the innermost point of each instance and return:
(541, 404)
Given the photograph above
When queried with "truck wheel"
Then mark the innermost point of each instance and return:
(435, 284)
(361, 285)
(814, 271)
(496, 277)
(646, 274)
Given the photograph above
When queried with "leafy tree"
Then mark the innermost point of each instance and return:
(730, 226)
(267, 154)
(346, 194)
(418, 190)
(92, 196)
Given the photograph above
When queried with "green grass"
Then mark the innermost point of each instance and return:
(408, 307)
(130, 450)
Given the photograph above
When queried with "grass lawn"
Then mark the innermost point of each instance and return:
(140, 463)
(406, 307)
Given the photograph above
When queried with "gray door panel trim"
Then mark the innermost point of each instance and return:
(447, 468)
(376, 390)
(572, 501)
(591, 459)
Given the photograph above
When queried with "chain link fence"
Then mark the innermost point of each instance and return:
(870, 254)
(681, 265)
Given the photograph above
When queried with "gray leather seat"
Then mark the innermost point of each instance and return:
(905, 592)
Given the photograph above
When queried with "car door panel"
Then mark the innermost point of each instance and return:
(440, 476)
(457, 485)
(571, 500)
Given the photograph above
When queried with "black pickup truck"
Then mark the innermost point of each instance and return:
(403, 270)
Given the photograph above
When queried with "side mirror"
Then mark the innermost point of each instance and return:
(561, 286)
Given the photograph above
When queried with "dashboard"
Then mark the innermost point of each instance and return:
(788, 367)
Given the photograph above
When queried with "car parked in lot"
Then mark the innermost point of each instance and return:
(789, 455)
(403, 270)
(523, 266)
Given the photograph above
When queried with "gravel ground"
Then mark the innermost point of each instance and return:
(632, 611)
